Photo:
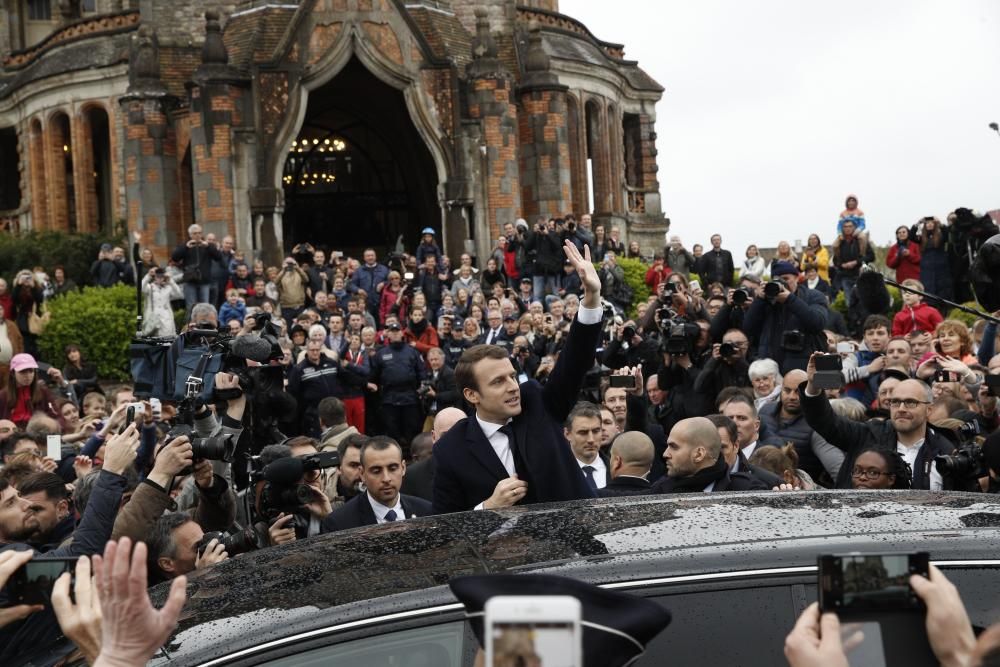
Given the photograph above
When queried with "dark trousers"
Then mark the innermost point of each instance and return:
(401, 422)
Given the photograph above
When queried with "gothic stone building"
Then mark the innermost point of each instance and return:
(340, 122)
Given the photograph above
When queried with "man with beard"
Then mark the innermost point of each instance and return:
(50, 503)
(695, 463)
(784, 422)
(906, 430)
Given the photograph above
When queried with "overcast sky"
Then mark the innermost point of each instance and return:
(775, 110)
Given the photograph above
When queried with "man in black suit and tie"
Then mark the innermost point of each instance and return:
(383, 470)
(419, 480)
(631, 458)
(513, 449)
(583, 431)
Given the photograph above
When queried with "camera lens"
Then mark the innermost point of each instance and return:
(740, 297)
(215, 449)
(772, 289)
(727, 349)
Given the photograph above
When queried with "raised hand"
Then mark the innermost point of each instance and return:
(588, 274)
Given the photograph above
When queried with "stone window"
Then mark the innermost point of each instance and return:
(632, 135)
(39, 10)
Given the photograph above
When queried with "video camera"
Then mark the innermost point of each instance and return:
(678, 335)
(281, 491)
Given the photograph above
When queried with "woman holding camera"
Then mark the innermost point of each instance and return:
(950, 356)
(24, 393)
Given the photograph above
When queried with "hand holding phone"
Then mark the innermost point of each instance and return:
(857, 583)
(53, 447)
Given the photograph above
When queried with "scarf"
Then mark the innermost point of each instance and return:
(22, 408)
(698, 481)
(418, 328)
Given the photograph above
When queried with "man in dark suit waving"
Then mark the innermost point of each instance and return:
(382, 471)
(513, 449)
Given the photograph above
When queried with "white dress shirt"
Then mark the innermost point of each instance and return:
(909, 455)
(600, 471)
(381, 510)
(500, 444)
(749, 449)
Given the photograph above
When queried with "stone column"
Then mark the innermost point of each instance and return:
(150, 157)
(217, 102)
(490, 86)
(546, 180)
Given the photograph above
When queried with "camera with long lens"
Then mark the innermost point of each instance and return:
(216, 448)
(793, 341)
(741, 296)
(772, 289)
(244, 540)
(727, 350)
(962, 469)
(283, 491)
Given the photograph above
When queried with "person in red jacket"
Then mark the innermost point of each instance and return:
(420, 333)
(657, 273)
(915, 315)
(904, 256)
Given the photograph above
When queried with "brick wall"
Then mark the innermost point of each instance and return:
(544, 137)
(182, 22)
(150, 155)
(36, 165)
(490, 101)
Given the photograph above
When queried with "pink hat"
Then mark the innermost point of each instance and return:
(19, 362)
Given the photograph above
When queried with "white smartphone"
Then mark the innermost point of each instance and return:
(533, 630)
(844, 348)
(695, 286)
(53, 447)
(156, 408)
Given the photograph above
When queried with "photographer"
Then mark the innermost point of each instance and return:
(293, 289)
(613, 285)
(733, 312)
(786, 319)
(544, 241)
(439, 390)
(727, 367)
(195, 257)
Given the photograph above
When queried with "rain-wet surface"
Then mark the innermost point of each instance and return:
(360, 573)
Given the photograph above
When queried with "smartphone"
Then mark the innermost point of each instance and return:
(53, 447)
(844, 348)
(694, 286)
(533, 630)
(624, 381)
(156, 408)
(857, 582)
(993, 385)
(945, 376)
(828, 372)
(32, 583)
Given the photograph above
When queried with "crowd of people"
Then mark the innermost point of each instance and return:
(528, 376)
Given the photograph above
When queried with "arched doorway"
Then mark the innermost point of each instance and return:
(100, 142)
(358, 173)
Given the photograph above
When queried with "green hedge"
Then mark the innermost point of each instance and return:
(635, 277)
(101, 320)
(76, 252)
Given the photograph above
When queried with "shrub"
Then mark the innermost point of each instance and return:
(76, 252)
(840, 305)
(968, 318)
(635, 277)
(101, 320)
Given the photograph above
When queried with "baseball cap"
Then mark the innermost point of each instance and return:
(393, 326)
(22, 361)
(106, 247)
(784, 269)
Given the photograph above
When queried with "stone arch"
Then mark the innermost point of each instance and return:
(597, 152)
(36, 164)
(95, 171)
(616, 158)
(59, 172)
(352, 41)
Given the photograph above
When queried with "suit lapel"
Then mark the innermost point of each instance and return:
(365, 511)
(482, 450)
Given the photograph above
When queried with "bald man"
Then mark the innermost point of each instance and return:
(629, 464)
(695, 462)
(419, 479)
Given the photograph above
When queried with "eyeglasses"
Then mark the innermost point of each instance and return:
(908, 403)
(871, 475)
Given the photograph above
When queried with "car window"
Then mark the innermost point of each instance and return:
(430, 646)
(738, 626)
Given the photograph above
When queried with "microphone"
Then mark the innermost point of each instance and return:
(284, 472)
(872, 294)
(251, 347)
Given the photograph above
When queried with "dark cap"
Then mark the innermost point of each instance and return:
(106, 247)
(296, 328)
(393, 326)
(784, 269)
(616, 626)
(525, 280)
(510, 318)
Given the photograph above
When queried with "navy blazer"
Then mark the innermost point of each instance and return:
(358, 512)
(467, 467)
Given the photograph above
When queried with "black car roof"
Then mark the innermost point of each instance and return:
(368, 571)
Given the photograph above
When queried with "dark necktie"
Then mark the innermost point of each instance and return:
(390, 515)
(519, 466)
(588, 472)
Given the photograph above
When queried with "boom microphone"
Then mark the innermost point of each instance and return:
(872, 294)
(250, 347)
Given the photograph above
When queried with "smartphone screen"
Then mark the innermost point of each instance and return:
(538, 643)
(53, 447)
(32, 583)
(870, 582)
(624, 381)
